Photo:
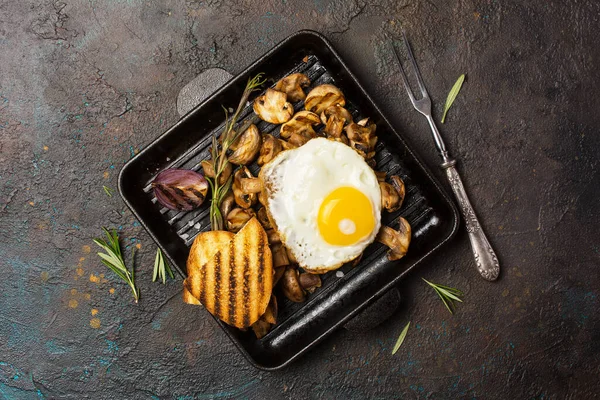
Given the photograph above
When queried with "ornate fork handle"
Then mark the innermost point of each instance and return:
(485, 257)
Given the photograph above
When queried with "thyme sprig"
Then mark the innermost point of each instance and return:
(448, 294)
(219, 153)
(113, 259)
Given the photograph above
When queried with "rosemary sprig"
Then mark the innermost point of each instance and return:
(452, 95)
(161, 268)
(401, 338)
(447, 294)
(107, 190)
(219, 153)
(113, 259)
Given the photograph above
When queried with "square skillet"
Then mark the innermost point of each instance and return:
(301, 326)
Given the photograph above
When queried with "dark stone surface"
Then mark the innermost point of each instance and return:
(86, 84)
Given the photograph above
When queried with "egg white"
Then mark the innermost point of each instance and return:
(296, 182)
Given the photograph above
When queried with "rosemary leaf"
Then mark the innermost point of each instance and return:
(113, 259)
(447, 294)
(161, 268)
(452, 95)
(107, 190)
(401, 338)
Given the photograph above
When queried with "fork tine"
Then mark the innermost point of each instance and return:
(404, 77)
(414, 63)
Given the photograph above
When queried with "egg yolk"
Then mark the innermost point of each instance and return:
(345, 216)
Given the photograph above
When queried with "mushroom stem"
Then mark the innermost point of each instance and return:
(398, 241)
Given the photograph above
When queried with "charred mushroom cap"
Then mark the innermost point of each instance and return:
(227, 203)
(292, 85)
(237, 218)
(398, 241)
(277, 274)
(274, 237)
(336, 111)
(250, 185)
(302, 123)
(291, 256)
(242, 198)
(246, 147)
(280, 257)
(380, 175)
(322, 97)
(363, 139)
(290, 285)
(390, 200)
(309, 282)
(271, 146)
(273, 107)
(286, 145)
(263, 218)
(398, 184)
(209, 172)
(261, 328)
(335, 118)
(298, 140)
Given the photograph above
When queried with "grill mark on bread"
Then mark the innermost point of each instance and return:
(246, 319)
(260, 266)
(217, 274)
(232, 282)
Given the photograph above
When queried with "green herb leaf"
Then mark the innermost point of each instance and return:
(452, 95)
(113, 259)
(107, 190)
(400, 338)
(447, 294)
(161, 268)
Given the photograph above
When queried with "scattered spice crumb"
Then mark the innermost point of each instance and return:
(86, 248)
(73, 292)
(94, 311)
(138, 246)
(79, 271)
(305, 59)
(111, 290)
(31, 203)
(73, 303)
(87, 296)
(44, 276)
(95, 323)
(45, 148)
(94, 278)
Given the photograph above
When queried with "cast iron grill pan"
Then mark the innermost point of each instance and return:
(427, 208)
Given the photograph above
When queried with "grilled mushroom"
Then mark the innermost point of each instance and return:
(322, 97)
(242, 198)
(263, 218)
(209, 172)
(398, 241)
(380, 176)
(271, 146)
(362, 139)
(302, 123)
(280, 257)
(291, 256)
(273, 237)
(250, 185)
(390, 200)
(237, 218)
(227, 203)
(270, 314)
(246, 147)
(277, 274)
(261, 328)
(335, 118)
(398, 184)
(273, 107)
(286, 145)
(309, 282)
(292, 85)
(290, 285)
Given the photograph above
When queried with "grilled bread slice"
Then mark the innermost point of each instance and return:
(203, 249)
(236, 283)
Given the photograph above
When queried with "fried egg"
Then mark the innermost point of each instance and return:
(325, 202)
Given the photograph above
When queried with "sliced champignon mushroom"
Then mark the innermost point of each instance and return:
(250, 185)
(298, 140)
(237, 218)
(277, 274)
(292, 85)
(398, 184)
(290, 285)
(263, 218)
(322, 97)
(280, 257)
(335, 118)
(287, 145)
(273, 237)
(242, 198)
(362, 139)
(291, 256)
(398, 241)
(271, 146)
(246, 146)
(380, 175)
(390, 200)
(302, 123)
(336, 111)
(261, 328)
(209, 171)
(309, 282)
(273, 107)
(227, 203)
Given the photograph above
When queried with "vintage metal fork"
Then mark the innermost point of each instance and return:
(485, 257)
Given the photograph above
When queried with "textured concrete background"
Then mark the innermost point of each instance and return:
(85, 84)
